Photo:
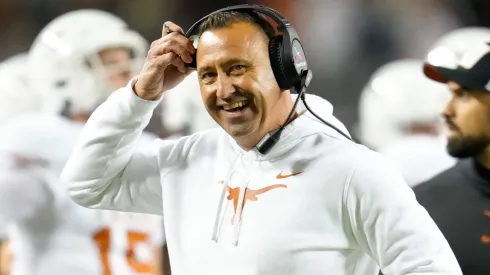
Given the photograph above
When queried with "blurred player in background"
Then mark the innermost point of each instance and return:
(183, 110)
(15, 99)
(74, 64)
(400, 118)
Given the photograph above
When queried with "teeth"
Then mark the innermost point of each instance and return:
(235, 105)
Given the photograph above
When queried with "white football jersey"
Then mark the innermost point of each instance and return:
(49, 233)
(126, 242)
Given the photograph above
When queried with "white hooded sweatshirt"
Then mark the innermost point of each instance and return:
(317, 203)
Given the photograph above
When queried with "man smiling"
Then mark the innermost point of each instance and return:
(315, 203)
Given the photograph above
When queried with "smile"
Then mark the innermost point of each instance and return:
(235, 107)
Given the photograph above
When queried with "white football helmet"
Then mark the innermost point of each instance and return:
(398, 96)
(64, 59)
(448, 49)
(16, 97)
(183, 107)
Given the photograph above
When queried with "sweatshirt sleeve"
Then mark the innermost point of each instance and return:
(390, 225)
(108, 169)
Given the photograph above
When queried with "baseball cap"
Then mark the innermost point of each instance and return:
(472, 72)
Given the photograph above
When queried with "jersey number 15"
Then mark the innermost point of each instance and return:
(103, 240)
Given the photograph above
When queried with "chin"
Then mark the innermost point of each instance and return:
(466, 146)
(240, 131)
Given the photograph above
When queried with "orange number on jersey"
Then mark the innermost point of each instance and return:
(103, 240)
(133, 239)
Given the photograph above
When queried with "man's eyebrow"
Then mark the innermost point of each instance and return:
(233, 61)
(225, 64)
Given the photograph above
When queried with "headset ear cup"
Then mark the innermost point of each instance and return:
(275, 55)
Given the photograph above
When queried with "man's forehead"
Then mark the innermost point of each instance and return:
(234, 34)
(240, 39)
(479, 94)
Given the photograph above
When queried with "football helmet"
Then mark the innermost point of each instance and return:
(183, 108)
(398, 96)
(16, 95)
(65, 63)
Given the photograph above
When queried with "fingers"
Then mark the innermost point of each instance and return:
(172, 49)
(184, 41)
(171, 30)
(170, 58)
(172, 27)
(173, 39)
(172, 46)
(173, 42)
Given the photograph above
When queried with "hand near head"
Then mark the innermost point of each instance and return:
(165, 63)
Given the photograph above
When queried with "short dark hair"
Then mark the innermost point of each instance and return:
(227, 18)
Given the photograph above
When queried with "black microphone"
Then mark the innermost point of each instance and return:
(273, 137)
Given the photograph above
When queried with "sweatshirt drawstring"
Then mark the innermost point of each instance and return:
(237, 219)
(217, 224)
(214, 237)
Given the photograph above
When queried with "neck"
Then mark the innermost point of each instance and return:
(484, 158)
(279, 114)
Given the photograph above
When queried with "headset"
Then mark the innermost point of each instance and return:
(287, 58)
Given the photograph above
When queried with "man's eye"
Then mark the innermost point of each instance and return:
(207, 77)
(238, 69)
(461, 93)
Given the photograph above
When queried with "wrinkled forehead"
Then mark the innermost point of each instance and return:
(239, 40)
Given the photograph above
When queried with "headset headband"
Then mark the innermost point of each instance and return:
(288, 60)
(281, 21)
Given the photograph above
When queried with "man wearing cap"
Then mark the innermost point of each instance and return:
(458, 199)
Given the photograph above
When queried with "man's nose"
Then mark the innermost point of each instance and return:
(224, 86)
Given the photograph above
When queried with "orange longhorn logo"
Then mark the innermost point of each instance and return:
(250, 194)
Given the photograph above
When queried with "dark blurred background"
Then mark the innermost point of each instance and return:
(345, 40)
